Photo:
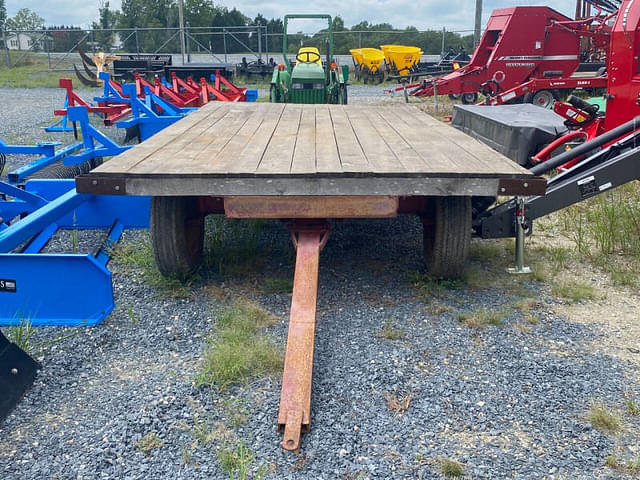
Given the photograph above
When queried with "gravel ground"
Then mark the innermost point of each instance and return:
(507, 401)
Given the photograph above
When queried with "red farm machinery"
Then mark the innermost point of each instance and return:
(597, 151)
(533, 48)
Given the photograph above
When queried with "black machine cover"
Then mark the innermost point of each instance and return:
(516, 131)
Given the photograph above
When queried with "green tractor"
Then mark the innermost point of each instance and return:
(308, 81)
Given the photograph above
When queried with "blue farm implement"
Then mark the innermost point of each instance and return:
(149, 115)
(59, 289)
(80, 155)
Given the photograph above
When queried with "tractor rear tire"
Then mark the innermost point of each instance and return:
(447, 236)
(274, 96)
(469, 98)
(177, 235)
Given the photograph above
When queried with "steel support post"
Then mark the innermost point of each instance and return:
(294, 416)
(520, 225)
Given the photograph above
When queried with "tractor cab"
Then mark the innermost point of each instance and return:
(309, 81)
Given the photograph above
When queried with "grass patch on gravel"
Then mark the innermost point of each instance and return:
(633, 408)
(237, 461)
(482, 318)
(451, 468)
(389, 331)
(573, 290)
(149, 443)
(602, 419)
(236, 350)
(631, 466)
(140, 255)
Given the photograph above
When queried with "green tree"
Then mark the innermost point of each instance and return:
(3, 13)
(107, 19)
(25, 19)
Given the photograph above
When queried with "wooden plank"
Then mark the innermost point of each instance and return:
(249, 158)
(159, 141)
(430, 142)
(278, 155)
(407, 155)
(327, 156)
(380, 157)
(474, 152)
(191, 146)
(304, 154)
(352, 157)
(364, 206)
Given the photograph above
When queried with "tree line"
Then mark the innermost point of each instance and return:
(199, 18)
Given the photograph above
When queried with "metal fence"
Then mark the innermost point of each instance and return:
(217, 44)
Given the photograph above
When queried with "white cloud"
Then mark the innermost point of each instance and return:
(452, 14)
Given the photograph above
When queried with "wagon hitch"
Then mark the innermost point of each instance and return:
(294, 416)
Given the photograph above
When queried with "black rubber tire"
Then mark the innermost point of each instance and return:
(343, 95)
(447, 236)
(550, 95)
(454, 96)
(177, 235)
(469, 98)
(273, 94)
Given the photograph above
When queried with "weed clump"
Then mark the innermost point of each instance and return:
(236, 350)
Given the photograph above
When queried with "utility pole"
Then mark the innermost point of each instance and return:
(181, 22)
(478, 26)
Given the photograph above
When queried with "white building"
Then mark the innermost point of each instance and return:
(24, 41)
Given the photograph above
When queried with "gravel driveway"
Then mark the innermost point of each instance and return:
(506, 401)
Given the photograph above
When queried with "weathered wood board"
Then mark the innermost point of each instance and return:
(276, 149)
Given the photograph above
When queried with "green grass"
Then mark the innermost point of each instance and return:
(236, 350)
(429, 287)
(632, 407)
(140, 256)
(236, 461)
(573, 290)
(274, 285)
(389, 331)
(149, 443)
(21, 335)
(482, 318)
(232, 246)
(451, 469)
(605, 227)
(32, 71)
(602, 419)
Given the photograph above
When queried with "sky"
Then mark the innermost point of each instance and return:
(423, 14)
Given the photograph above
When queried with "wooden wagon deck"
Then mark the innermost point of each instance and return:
(285, 149)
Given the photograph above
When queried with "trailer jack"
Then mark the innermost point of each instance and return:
(521, 223)
(294, 416)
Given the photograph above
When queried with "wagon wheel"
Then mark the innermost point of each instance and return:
(343, 95)
(454, 96)
(447, 235)
(469, 98)
(542, 98)
(177, 235)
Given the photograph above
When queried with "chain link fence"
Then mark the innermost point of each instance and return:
(213, 44)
